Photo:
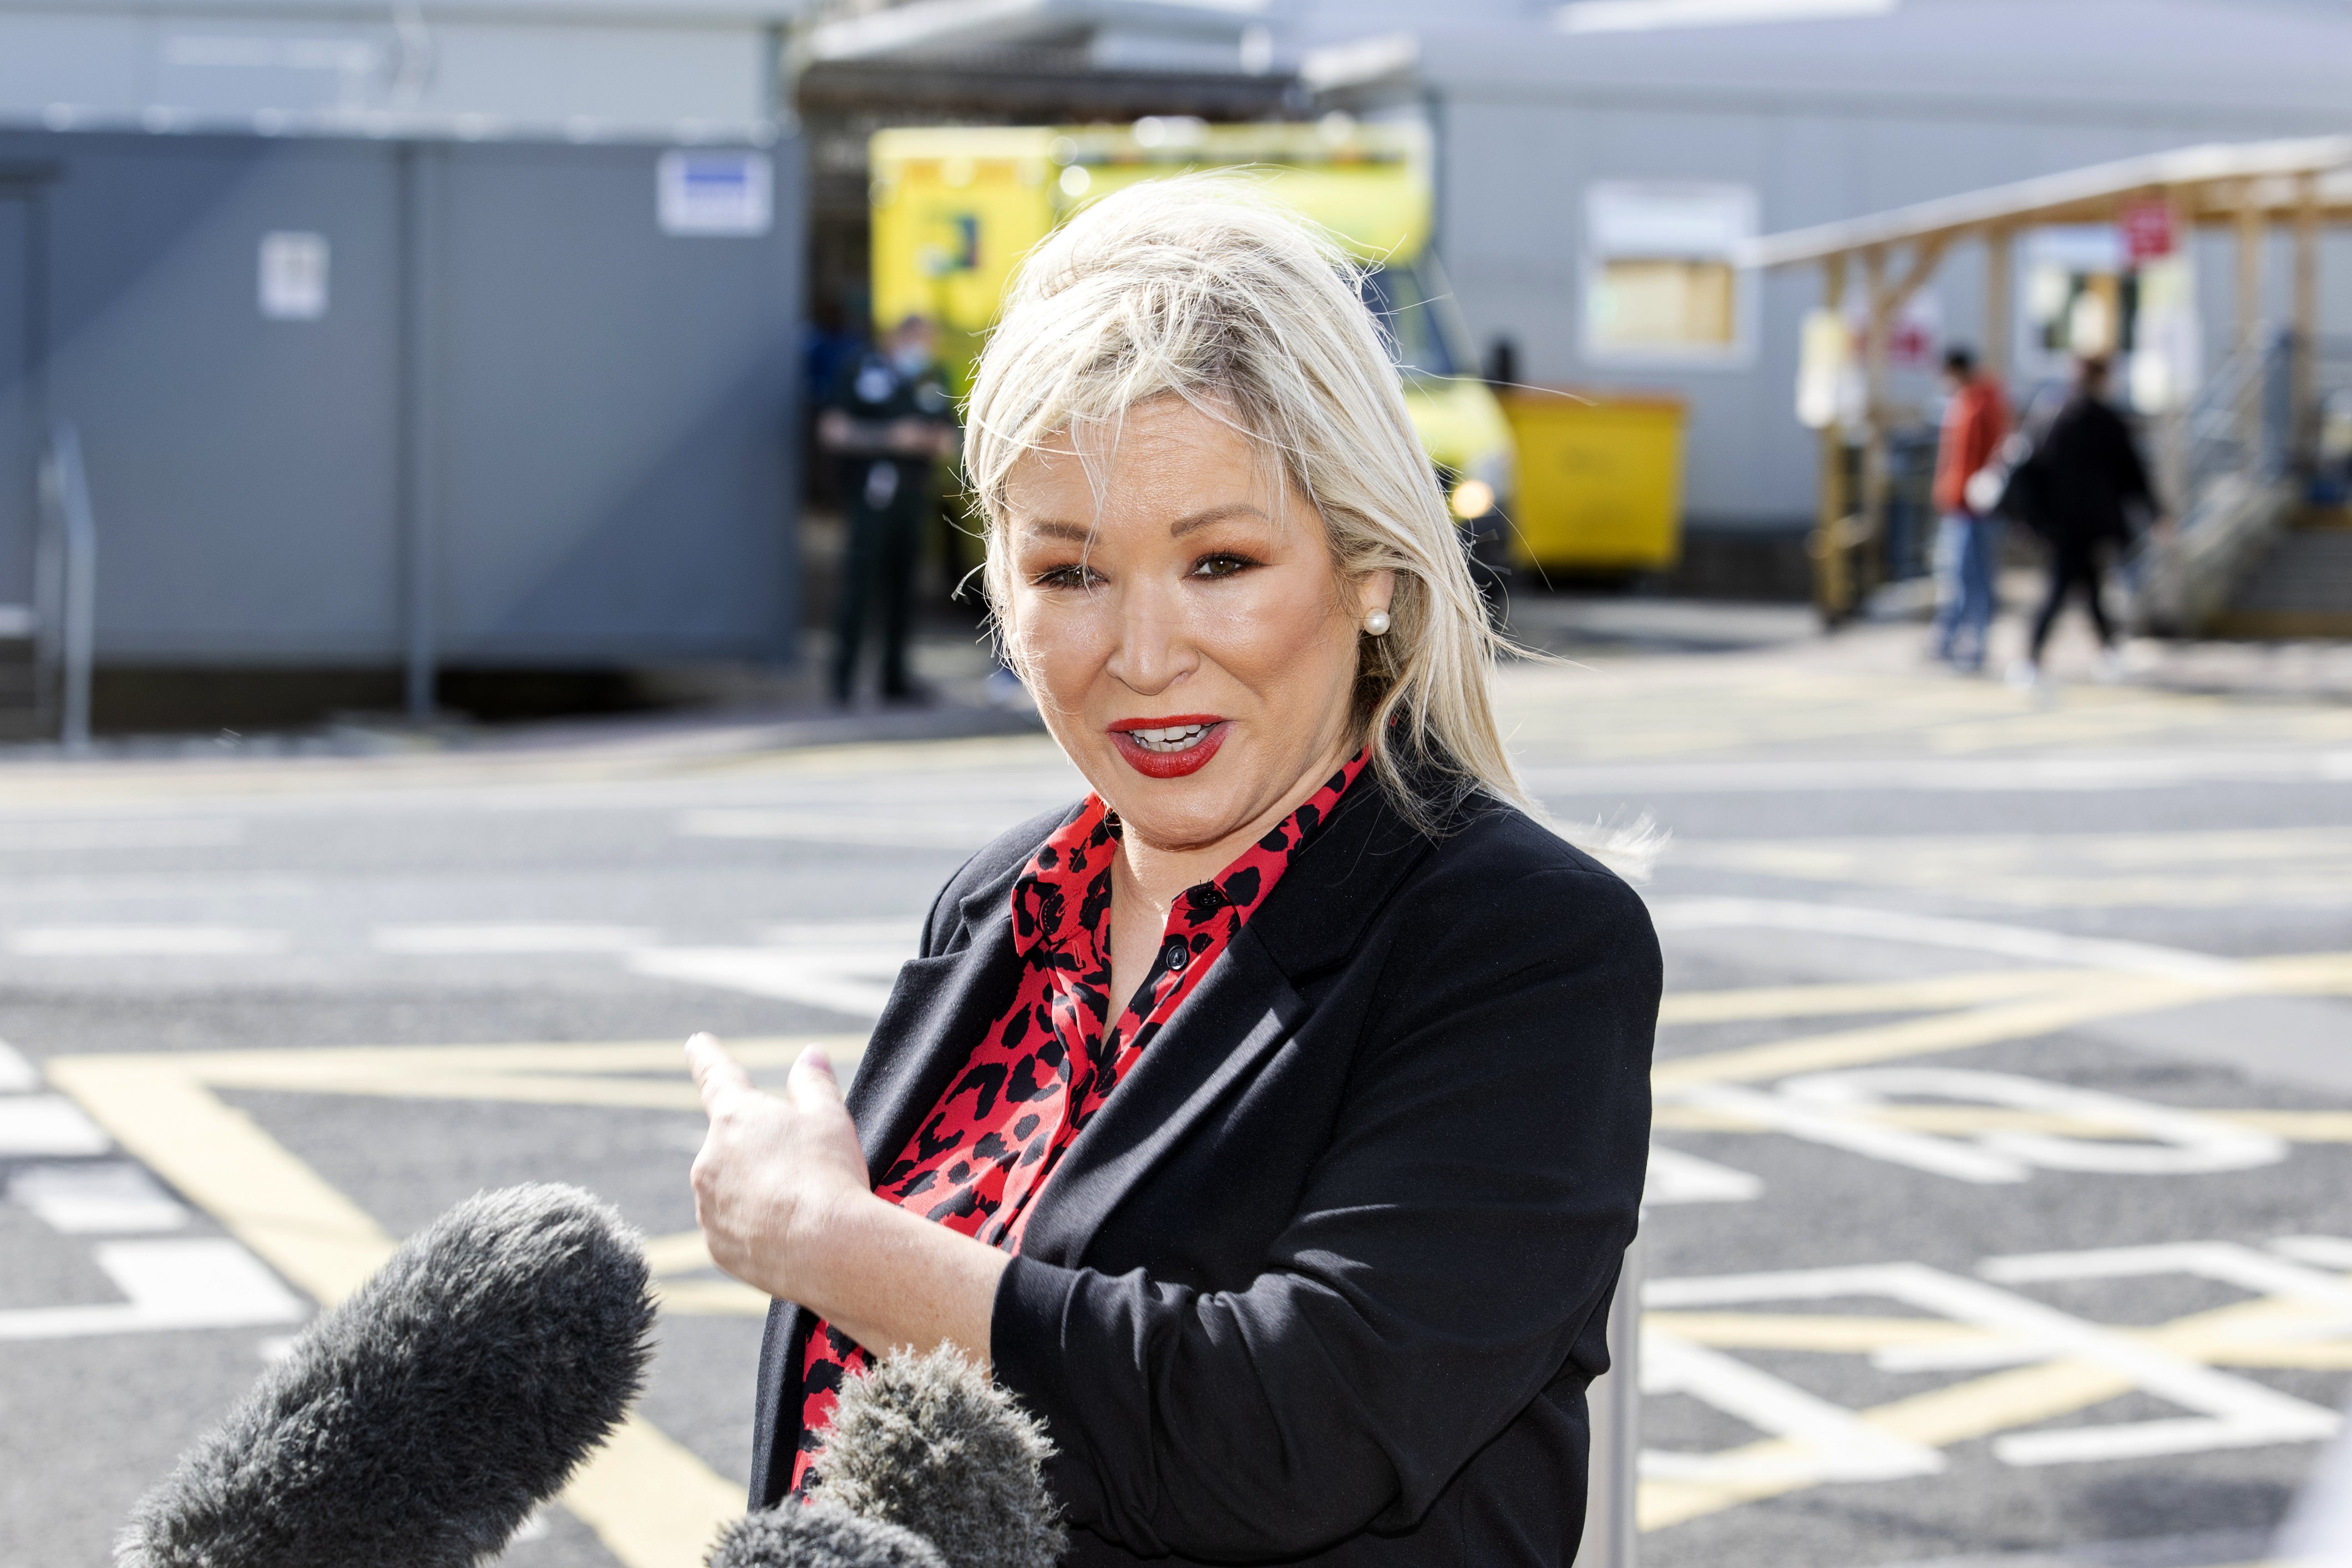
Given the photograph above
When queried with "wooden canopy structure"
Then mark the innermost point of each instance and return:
(2247, 188)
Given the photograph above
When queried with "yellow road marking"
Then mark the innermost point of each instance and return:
(1879, 996)
(711, 1298)
(1962, 1120)
(2099, 995)
(680, 1253)
(2256, 1332)
(652, 1502)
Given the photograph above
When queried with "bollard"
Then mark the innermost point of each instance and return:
(1614, 1401)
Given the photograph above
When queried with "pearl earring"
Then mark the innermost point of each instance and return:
(1377, 622)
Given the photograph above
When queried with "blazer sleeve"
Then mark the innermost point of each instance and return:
(1460, 1235)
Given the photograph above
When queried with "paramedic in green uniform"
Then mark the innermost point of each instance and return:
(888, 423)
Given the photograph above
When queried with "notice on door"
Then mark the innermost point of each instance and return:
(293, 277)
(716, 193)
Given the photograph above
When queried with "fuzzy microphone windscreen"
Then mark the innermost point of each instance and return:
(929, 1443)
(819, 1535)
(418, 1424)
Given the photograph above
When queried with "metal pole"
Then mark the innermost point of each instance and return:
(1613, 1403)
(65, 495)
(419, 509)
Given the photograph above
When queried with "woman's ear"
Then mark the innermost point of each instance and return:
(1375, 591)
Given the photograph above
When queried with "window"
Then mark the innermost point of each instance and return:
(1414, 304)
(1660, 286)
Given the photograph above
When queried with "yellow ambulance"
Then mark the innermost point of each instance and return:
(956, 208)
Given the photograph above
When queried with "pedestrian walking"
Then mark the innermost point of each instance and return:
(1272, 1120)
(888, 423)
(2088, 474)
(1968, 542)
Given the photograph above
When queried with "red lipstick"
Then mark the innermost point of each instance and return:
(1155, 763)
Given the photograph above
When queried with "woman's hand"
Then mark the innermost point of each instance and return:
(778, 1173)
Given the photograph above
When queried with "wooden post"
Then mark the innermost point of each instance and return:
(2250, 314)
(2303, 396)
(1828, 562)
(1875, 478)
(1998, 332)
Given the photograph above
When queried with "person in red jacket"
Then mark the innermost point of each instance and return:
(1975, 420)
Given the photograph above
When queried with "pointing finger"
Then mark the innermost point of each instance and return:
(715, 1073)
(812, 1075)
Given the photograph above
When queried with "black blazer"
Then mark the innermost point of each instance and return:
(1325, 1279)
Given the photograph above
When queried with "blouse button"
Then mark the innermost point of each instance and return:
(1176, 955)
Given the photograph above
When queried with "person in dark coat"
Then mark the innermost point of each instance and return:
(1273, 1120)
(2088, 478)
(887, 423)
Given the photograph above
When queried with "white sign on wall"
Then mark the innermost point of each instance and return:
(293, 281)
(716, 193)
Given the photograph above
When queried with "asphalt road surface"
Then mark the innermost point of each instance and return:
(2001, 1207)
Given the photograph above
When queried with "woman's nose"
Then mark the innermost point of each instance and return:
(1154, 648)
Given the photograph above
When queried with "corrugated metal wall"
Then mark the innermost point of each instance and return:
(603, 471)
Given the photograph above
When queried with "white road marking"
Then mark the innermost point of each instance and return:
(211, 1283)
(108, 1198)
(2028, 942)
(47, 1126)
(1957, 775)
(850, 980)
(1677, 1177)
(902, 936)
(2231, 1412)
(121, 833)
(1840, 1129)
(213, 887)
(17, 1074)
(144, 942)
(2161, 1140)
(510, 937)
(1829, 1442)
(929, 830)
(2324, 1252)
(2227, 1262)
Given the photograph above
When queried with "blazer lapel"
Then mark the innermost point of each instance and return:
(938, 1010)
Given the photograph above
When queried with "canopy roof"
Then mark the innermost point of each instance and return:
(2208, 184)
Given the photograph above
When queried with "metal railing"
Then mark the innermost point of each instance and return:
(1613, 1403)
(2228, 460)
(66, 587)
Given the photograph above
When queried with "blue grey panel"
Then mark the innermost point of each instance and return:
(241, 468)
(616, 417)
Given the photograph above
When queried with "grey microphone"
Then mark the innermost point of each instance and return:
(929, 1447)
(418, 1424)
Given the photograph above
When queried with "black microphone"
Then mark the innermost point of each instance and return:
(418, 1424)
(926, 1444)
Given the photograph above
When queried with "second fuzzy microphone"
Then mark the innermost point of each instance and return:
(927, 1465)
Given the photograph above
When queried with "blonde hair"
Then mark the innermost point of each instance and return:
(1201, 288)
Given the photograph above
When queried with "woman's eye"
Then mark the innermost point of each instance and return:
(1222, 564)
(1072, 576)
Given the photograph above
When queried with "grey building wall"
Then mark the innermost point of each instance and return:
(600, 412)
(1514, 173)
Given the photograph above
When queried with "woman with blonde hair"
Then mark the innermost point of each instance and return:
(1272, 1121)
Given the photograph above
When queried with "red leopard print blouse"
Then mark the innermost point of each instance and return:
(978, 1162)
